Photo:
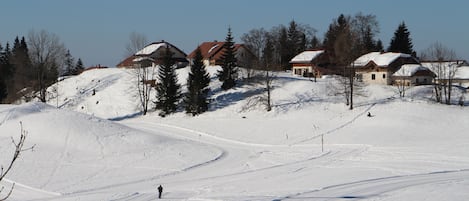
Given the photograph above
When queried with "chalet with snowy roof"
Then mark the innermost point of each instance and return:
(310, 63)
(378, 67)
(461, 77)
(152, 55)
(212, 53)
(412, 75)
(456, 69)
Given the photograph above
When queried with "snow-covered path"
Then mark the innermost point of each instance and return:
(378, 189)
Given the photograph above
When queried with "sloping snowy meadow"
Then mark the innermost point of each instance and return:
(97, 146)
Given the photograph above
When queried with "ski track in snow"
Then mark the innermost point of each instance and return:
(61, 159)
(374, 188)
(337, 128)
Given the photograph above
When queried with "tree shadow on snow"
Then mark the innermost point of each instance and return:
(231, 98)
(129, 116)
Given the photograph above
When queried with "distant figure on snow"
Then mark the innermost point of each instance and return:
(369, 114)
(160, 191)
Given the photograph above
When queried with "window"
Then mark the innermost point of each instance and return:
(384, 76)
(373, 76)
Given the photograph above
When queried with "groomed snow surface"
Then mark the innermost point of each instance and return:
(97, 146)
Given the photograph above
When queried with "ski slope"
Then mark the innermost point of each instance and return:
(98, 147)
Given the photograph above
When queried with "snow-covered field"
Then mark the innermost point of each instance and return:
(98, 147)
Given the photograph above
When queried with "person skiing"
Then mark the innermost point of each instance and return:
(160, 191)
(369, 114)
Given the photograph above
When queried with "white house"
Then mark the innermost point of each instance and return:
(378, 67)
(413, 74)
(152, 54)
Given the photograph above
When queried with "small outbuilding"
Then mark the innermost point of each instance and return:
(412, 75)
(310, 63)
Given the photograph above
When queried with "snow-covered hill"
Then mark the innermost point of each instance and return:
(98, 147)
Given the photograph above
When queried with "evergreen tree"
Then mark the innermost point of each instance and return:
(23, 74)
(197, 83)
(284, 48)
(3, 90)
(3, 87)
(379, 46)
(167, 88)
(337, 28)
(401, 41)
(229, 72)
(315, 43)
(6, 72)
(70, 68)
(78, 67)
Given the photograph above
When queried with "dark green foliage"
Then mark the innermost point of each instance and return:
(3, 90)
(6, 71)
(69, 64)
(401, 41)
(167, 88)
(315, 43)
(229, 71)
(78, 67)
(379, 46)
(195, 100)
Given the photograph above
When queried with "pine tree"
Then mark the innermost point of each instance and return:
(379, 46)
(78, 67)
(7, 71)
(401, 41)
(23, 74)
(3, 87)
(167, 88)
(197, 83)
(229, 72)
(70, 68)
(315, 43)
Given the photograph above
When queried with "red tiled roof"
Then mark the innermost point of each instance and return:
(127, 62)
(208, 49)
(212, 50)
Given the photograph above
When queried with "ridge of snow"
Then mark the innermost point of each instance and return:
(149, 49)
(306, 56)
(381, 59)
(409, 70)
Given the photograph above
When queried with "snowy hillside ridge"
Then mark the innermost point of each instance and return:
(112, 94)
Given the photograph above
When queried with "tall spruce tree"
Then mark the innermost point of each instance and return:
(6, 72)
(3, 86)
(78, 67)
(69, 64)
(195, 100)
(401, 41)
(229, 71)
(167, 88)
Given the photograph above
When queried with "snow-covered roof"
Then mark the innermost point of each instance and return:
(462, 73)
(142, 58)
(408, 70)
(380, 59)
(306, 56)
(149, 49)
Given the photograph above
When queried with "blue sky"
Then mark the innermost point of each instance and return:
(97, 31)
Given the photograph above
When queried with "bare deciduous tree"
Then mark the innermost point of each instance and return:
(144, 72)
(47, 53)
(402, 84)
(136, 42)
(18, 149)
(445, 69)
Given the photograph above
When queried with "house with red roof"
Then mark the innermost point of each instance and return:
(212, 53)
